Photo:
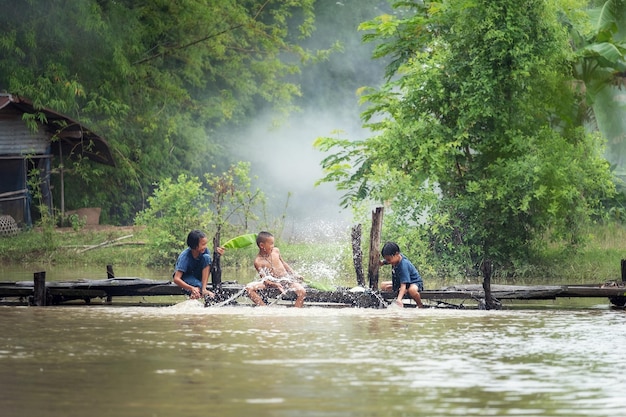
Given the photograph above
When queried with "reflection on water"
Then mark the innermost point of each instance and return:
(187, 360)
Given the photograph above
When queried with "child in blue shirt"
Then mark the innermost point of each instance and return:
(193, 265)
(404, 276)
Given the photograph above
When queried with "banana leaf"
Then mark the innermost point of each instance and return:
(240, 241)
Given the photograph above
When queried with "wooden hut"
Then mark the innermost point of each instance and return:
(30, 138)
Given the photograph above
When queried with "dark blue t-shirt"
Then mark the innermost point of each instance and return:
(191, 266)
(405, 273)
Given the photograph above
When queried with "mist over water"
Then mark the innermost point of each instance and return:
(280, 149)
(287, 166)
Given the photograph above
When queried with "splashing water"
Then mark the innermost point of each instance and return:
(188, 306)
(319, 231)
(326, 271)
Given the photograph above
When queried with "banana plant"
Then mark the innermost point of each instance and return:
(601, 67)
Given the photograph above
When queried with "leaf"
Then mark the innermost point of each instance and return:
(608, 53)
(240, 241)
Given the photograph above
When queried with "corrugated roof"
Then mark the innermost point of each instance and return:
(17, 139)
(74, 139)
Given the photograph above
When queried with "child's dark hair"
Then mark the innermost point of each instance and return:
(262, 237)
(390, 248)
(193, 238)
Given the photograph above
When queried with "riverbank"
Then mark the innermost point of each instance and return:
(126, 247)
(66, 246)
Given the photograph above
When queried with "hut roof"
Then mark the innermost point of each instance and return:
(72, 137)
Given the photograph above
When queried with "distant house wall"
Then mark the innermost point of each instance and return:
(14, 196)
(17, 139)
(21, 150)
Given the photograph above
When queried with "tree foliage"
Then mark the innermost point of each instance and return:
(477, 149)
(599, 38)
(175, 208)
(155, 78)
(215, 204)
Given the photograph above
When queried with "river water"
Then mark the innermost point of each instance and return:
(187, 360)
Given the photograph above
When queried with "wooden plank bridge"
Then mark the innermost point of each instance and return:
(39, 292)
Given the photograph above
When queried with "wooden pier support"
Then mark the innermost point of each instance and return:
(374, 257)
(40, 294)
(110, 275)
(357, 255)
(216, 267)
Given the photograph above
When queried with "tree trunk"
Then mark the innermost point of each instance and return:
(490, 302)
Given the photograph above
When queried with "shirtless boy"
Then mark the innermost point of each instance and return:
(274, 272)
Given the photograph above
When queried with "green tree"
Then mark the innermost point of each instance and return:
(175, 208)
(223, 204)
(154, 78)
(234, 201)
(477, 152)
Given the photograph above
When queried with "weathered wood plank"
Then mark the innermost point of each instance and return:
(61, 291)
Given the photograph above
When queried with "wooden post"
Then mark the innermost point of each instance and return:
(39, 291)
(216, 268)
(623, 270)
(110, 275)
(357, 255)
(374, 258)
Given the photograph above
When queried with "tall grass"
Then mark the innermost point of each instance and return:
(598, 261)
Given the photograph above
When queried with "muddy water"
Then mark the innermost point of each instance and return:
(187, 360)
